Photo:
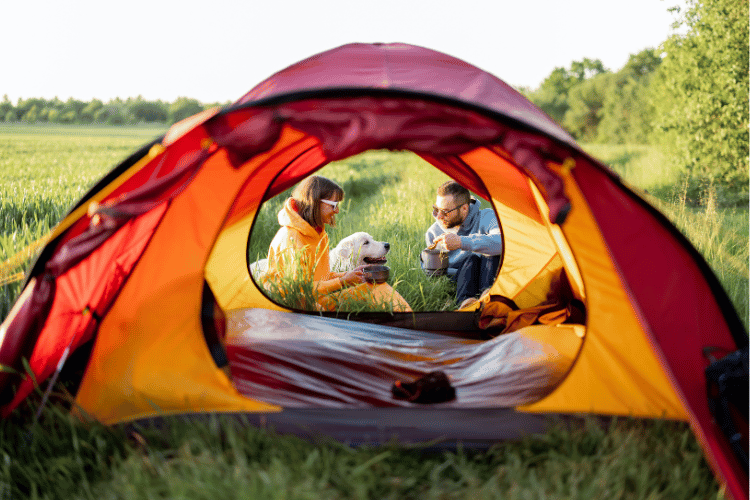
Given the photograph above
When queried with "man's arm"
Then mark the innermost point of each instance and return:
(485, 244)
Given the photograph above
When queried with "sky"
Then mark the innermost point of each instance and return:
(217, 50)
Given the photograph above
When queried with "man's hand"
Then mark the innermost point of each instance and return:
(449, 240)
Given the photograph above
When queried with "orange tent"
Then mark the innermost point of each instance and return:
(147, 275)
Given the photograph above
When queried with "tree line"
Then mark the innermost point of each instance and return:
(689, 96)
(130, 111)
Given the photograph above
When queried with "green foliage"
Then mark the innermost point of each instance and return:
(627, 111)
(585, 103)
(115, 112)
(147, 111)
(702, 98)
(219, 457)
(690, 96)
(89, 113)
(183, 108)
(552, 95)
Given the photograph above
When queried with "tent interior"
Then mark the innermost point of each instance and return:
(351, 357)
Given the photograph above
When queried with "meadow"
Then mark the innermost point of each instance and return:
(45, 170)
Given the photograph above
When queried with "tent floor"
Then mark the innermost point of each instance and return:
(424, 428)
(307, 361)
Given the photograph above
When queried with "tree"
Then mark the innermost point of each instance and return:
(552, 95)
(627, 112)
(585, 102)
(88, 113)
(6, 107)
(701, 95)
(182, 108)
(31, 115)
(147, 111)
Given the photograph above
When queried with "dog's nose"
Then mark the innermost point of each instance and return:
(387, 245)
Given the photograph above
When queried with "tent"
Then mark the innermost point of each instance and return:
(141, 283)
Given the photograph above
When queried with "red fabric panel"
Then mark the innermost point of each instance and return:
(245, 133)
(26, 319)
(303, 156)
(303, 165)
(403, 67)
(348, 126)
(83, 294)
(656, 266)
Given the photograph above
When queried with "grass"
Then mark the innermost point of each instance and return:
(45, 170)
(218, 459)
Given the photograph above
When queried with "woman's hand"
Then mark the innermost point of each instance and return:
(354, 277)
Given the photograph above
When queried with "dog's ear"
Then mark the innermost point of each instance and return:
(347, 243)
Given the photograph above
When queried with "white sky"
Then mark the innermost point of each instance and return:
(216, 50)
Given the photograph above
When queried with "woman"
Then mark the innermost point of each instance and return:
(300, 250)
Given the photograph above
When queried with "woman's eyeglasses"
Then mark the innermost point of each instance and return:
(442, 212)
(334, 204)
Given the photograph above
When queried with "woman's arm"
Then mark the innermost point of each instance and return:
(335, 281)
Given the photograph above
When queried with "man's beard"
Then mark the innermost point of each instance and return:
(452, 224)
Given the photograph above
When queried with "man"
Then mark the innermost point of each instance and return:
(472, 238)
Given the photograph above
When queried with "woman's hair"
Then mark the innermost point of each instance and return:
(309, 193)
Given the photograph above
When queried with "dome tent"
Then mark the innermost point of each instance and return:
(129, 272)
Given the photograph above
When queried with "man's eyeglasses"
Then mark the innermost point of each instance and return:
(334, 204)
(442, 212)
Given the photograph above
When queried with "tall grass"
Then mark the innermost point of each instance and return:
(217, 458)
(44, 171)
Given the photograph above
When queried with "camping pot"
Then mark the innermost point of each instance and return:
(434, 261)
(377, 273)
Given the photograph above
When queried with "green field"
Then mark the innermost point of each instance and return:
(45, 170)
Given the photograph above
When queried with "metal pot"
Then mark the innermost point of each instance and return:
(377, 273)
(434, 261)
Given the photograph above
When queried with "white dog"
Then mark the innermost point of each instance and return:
(353, 251)
(356, 250)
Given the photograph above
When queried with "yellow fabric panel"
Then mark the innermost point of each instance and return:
(150, 357)
(528, 251)
(514, 190)
(571, 268)
(226, 270)
(529, 262)
(543, 287)
(617, 371)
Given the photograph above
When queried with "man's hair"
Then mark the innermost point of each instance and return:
(452, 188)
(308, 194)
